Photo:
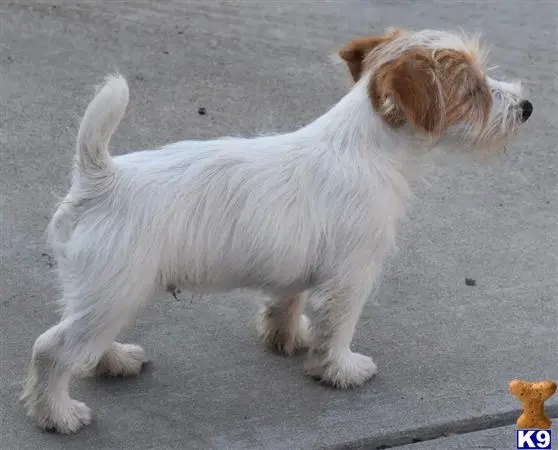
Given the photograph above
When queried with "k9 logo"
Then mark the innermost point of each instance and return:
(533, 439)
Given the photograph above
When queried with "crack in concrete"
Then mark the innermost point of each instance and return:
(439, 431)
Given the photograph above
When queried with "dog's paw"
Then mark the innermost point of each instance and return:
(121, 360)
(346, 371)
(281, 337)
(66, 417)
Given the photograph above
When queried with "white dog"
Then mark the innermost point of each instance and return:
(308, 213)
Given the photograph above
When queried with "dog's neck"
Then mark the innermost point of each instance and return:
(352, 125)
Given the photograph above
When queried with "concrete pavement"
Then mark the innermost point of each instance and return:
(445, 350)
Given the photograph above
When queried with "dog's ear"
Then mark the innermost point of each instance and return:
(407, 90)
(355, 51)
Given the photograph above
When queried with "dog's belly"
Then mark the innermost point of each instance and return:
(216, 218)
(214, 269)
(222, 222)
(260, 283)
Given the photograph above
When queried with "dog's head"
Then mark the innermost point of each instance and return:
(433, 82)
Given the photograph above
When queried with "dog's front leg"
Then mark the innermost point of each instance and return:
(330, 358)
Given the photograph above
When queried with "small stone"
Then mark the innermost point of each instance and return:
(202, 111)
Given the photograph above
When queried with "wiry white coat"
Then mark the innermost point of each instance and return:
(311, 211)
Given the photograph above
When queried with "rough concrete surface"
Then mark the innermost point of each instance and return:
(501, 438)
(445, 350)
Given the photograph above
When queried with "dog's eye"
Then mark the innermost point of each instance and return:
(475, 92)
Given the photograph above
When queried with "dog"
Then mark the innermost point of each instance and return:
(309, 215)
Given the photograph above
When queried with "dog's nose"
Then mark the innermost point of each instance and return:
(526, 109)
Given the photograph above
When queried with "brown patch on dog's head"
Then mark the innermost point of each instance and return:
(355, 52)
(431, 89)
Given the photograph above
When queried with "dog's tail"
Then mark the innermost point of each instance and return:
(100, 121)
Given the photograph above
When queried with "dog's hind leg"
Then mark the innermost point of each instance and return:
(121, 360)
(282, 326)
(46, 392)
(91, 321)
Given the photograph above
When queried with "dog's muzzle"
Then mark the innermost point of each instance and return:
(526, 109)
